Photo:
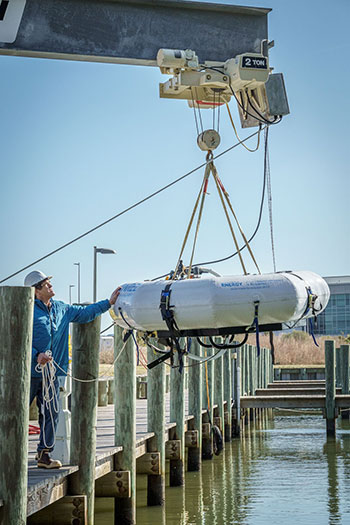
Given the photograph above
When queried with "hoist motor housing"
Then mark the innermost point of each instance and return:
(247, 70)
(259, 94)
(222, 303)
(170, 59)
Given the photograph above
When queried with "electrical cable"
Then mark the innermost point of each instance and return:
(263, 119)
(138, 203)
(269, 195)
(108, 327)
(274, 121)
(235, 130)
(242, 247)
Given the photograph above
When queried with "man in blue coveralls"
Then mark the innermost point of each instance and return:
(50, 343)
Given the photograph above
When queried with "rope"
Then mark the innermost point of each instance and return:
(215, 174)
(194, 111)
(190, 224)
(223, 194)
(230, 225)
(199, 111)
(204, 193)
(50, 400)
(96, 378)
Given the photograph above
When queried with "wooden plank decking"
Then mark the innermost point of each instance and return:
(48, 486)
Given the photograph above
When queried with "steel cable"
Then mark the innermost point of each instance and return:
(138, 203)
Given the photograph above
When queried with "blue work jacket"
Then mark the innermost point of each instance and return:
(51, 326)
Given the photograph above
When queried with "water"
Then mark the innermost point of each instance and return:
(283, 472)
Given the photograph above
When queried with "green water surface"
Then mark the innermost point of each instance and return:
(282, 472)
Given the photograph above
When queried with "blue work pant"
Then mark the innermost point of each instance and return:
(48, 419)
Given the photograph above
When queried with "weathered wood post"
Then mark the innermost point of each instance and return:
(219, 389)
(195, 406)
(236, 393)
(259, 377)
(102, 400)
(156, 424)
(177, 415)
(125, 422)
(345, 359)
(243, 380)
(251, 379)
(16, 327)
(111, 391)
(208, 377)
(85, 365)
(338, 364)
(330, 387)
(264, 368)
(270, 366)
(242, 366)
(228, 393)
(250, 370)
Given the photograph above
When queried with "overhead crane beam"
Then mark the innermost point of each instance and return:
(128, 31)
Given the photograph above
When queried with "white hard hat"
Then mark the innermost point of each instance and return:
(35, 277)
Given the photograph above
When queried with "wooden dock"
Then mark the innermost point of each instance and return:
(46, 487)
(111, 444)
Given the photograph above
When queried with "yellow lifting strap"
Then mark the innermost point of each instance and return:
(224, 196)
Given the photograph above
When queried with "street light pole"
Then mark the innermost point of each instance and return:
(78, 265)
(96, 251)
(70, 292)
(95, 276)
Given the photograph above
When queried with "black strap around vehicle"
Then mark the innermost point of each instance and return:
(168, 317)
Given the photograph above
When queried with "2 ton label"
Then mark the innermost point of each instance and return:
(254, 62)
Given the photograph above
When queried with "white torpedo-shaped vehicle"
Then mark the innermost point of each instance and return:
(220, 305)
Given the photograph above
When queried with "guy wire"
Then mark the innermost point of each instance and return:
(148, 197)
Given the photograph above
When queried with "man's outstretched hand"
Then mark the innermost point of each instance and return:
(114, 296)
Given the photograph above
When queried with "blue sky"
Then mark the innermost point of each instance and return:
(82, 141)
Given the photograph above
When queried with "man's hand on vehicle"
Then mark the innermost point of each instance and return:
(114, 296)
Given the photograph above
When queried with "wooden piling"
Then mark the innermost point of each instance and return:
(69, 509)
(156, 424)
(219, 386)
(330, 387)
(125, 422)
(236, 393)
(251, 378)
(85, 366)
(177, 415)
(338, 364)
(345, 359)
(102, 393)
(344, 351)
(207, 397)
(228, 394)
(195, 406)
(16, 327)
(111, 391)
